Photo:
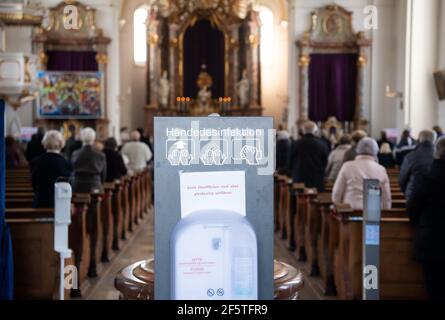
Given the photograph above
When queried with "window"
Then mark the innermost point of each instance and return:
(267, 34)
(140, 36)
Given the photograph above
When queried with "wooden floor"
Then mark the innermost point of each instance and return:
(141, 247)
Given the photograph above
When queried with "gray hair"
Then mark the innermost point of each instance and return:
(135, 135)
(427, 135)
(53, 141)
(440, 149)
(310, 127)
(88, 136)
(367, 146)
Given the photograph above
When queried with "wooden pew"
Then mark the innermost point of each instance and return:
(303, 205)
(36, 264)
(118, 218)
(107, 222)
(400, 275)
(312, 229)
(94, 229)
(283, 204)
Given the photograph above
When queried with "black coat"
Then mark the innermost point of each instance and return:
(45, 171)
(309, 157)
(415, 164)
(90, 169)
(426, 209)
(387, 160)
(283, 153)
(115, 165)
(34, 148)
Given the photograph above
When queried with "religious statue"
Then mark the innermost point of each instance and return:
(332, 130)
(243, 90)
(204, 82)
(204, 97)
(164, 90)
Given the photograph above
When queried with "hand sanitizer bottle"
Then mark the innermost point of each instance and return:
(214, 256)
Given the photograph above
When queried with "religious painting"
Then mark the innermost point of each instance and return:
(65, 95)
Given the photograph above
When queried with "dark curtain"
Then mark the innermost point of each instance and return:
(332, 86)
(203, 44)
(72, 60)
(6, 258)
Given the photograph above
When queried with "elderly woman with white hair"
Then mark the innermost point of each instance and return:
(48, 168)
(90, 166)
(348, 187)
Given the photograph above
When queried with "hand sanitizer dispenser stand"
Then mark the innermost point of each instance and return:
(62, 215)
(214, 256)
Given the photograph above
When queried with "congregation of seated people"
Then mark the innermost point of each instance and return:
(419, 163)
(85, 163)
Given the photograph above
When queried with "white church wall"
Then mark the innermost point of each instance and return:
(422, 97)
(381, 61)
(274, 71)
(133, 77)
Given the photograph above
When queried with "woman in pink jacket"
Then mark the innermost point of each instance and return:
(348, 187)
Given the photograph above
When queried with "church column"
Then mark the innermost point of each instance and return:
(234, 64)
(360, 110)
(173, 56)
(154, 62)
(253, 60)
(102, 124)
(303, 66)
(304, 88)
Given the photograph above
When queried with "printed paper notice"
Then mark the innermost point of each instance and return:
(222, 190)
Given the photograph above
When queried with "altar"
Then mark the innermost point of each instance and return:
(203, 57)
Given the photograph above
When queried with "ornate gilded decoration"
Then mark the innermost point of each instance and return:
(23, 98)
(174, 42)
(23, 14)
(178, 10)
(253, 40)
(53, 30)
(102, 58)
(204, 79)
(304, 60)
(153, 39)
(362, 60)
(43, 58)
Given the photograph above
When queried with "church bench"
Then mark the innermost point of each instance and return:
(283, 206)
(25, 188)
(276, 197)
(139, 210)
(303, 206)
(131, 202)
(94, 229)
(147, 190)
(117, 210)
(400, 275)
(107, 220)
(36, 264)
(312, 228)
(79, 238)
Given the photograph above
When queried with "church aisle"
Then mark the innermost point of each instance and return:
(139, 247)
(313, 286)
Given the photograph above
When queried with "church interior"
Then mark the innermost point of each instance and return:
(83, 82)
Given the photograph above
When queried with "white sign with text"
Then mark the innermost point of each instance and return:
(222, 190)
